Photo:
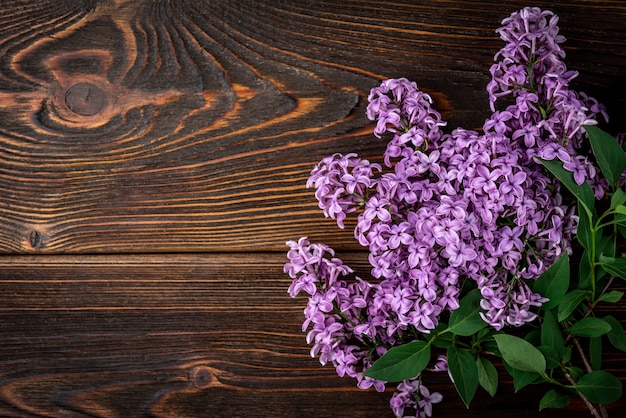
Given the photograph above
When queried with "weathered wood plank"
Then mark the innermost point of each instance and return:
(190, 126)
(188, 336)
(141, 126)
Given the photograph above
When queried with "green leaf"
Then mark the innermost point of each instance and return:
(590, 327)
(584, 270)
(583, 231)
(522, 379)
(570, 302)
(609, 155)
(490, 346)
(614, 266)
(534, 337)
(464, 371)
(612, 296)
(432, 337)
(553, 359)
(621, 209)
(600, 387)
(442, 343)
(401, 362)
(595, 352)
(582, 192)
(520, 354)
(620, 220)
(605, 245)
(553, 399)
(616, 336)
(567, 356)
(484, 334)
(553, 282)
(617, 200)
(466, 319)
(575, 372)
(487, 375)
(551, 334)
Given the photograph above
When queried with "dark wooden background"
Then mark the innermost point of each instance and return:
(153, 156)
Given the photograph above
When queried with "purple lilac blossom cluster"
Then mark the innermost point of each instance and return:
(447, 208)
(547, 115)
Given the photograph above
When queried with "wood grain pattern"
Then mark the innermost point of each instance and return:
(141, 126)
(185, 336)
(153, 156)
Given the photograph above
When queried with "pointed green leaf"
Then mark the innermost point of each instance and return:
(466, 319)
(621, 209)
(584, 270)
(553, 359)
(520, 354)
(616, 336)
(582, 192)
(620, 220)
(568, 354)
(551, 334)
(432, 337)
(605, 245)
(614, 266)
(553, 399)
(484, 334)
(553, 283)
(401, 362)
(442, 343)
(487, 375)
(575, 372)
(522, 379)
(609, 155)
(570, 302)
(583, 231)
(622, 224)
(618, 199)
(600, 387)
(595, 352)
(464, 371)
(590, 327)
(612, 296)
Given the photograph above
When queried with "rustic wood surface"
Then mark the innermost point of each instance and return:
(153, 156)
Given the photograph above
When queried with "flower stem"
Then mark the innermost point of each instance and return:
(589, 369)
(594, 411)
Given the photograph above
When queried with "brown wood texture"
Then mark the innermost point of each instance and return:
(150, 126)
(153, 156)
(201, 335)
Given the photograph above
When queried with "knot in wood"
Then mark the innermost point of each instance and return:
(201, 377)
(36, 239)
(85, 99)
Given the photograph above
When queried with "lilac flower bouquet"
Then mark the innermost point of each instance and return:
(470, 238)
